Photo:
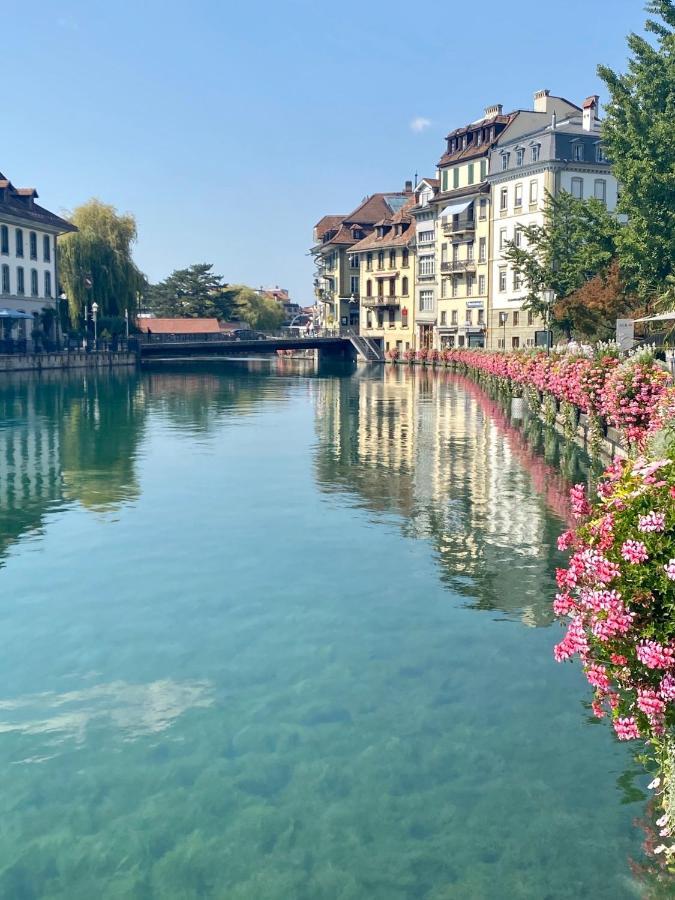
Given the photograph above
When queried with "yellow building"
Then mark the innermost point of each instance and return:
(386, 260)
(463, 232)
(336, 282)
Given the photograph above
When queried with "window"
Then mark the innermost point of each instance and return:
(482, 210)
(5, 280)
(517, 281)
(530, 318)
(444, 318)
(392, 287)
(455, 286)
(502, 280)
(504, 199)
(518, 195)
(426, 237)
(503, 319)
(455, 253)
(369, 288)
(34, 283)
(578, 152)
(534, 191)
(481, 317)
(453, 317)
(380, 259)
(600, 189)
(534, 152)
(392, 318)
(369, 261)
(482, 249)
(444, 287)
(404, 257)
(426, 265)
(483, 169)
(516, 318)
(515, 343)
(19, 242)
(481, 284)
(520, 157)
(354, 285)
(505, 161)
(578, 188)
(518, 237)
(4, 239)
(48, 284)
(444, 185)
(469, 174)
(20, 286)
(426, 301)
(32, 244)
(46, 248)
(354, 260)
(392, 259)
(455, 177)
(469, 251)
(469, 285)
(468, 320)
(502, 238)
(600, 154)
(404, 286)
(444, 253)
(460, 340)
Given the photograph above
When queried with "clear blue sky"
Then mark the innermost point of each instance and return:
(229, 128)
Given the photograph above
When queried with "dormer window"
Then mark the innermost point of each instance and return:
(578, 152)
(535, 150)
(520, 156)
(600, 154)
(464, 143)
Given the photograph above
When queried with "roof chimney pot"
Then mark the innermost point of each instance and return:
(494, 110)
(408, 187)
(540, 98)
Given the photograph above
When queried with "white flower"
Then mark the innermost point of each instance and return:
(662, 821)
(654, 784)
(660, 849)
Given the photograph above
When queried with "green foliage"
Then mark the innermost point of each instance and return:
(195, 292)
(639, 139)
(576, 242)
(95, 263)
(258, 311)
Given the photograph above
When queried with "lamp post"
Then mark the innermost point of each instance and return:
(85, 326)
(126, 322)
(549, 299)
(94, 309)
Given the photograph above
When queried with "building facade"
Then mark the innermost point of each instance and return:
(463, 235)
(336, 281)
(554, 147)
(386, 261)
(425, 213)
(28, 261)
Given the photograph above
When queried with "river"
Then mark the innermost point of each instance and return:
(272, 632)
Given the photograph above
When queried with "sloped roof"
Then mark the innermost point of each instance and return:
(390, 238)
(179, 326)
(473, 150)
(326, 223)
(20, 203)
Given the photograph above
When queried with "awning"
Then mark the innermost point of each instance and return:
(662, 317)
(455, 209)
(13, 314)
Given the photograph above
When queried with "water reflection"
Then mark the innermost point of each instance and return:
(437, 450)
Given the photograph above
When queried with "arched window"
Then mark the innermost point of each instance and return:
(32, 244)
(5, 279)
(404, 258)
(19, 242)
(4, 239)
(34, 283)
(46, 248)
(369, 288)
(404, 286)
(48, 284)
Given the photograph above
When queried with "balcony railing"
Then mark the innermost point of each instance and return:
(459, 265)
(384, 300)
(458, 224)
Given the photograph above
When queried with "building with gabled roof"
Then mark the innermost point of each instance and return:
(336, 281)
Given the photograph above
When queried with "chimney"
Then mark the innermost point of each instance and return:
(554, 121)
(540, 100)
(494, 110)
(408, 187)
(590, 115)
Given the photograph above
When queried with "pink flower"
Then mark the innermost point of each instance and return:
(650, 703)
(575, 641)
(626, 729)
(634, 551)
(565, 540)
(598, 711)
(670, 569)
(563, 604)
(667, 687)
(597, 676)
(653, 521)
(655, 655)
(618, 659)
(580, 505)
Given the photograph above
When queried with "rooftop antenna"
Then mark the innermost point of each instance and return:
(415, 181)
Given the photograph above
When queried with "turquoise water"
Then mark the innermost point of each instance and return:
(268, 632)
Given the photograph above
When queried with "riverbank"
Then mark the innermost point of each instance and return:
(39, 362)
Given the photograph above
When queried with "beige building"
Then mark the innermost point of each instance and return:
(425, 213)
(463, 234)
(386, 260)
(336, 283)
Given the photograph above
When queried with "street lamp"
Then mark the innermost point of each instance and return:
(549, 299)
(94, 309)
(126, 322)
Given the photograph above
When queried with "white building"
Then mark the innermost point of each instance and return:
(28, 263)
(426, 276)
(554, 147)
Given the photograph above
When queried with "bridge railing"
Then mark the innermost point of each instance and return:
(292, 334)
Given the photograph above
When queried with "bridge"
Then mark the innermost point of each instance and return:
(182, 346)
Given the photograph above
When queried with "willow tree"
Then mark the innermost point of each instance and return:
(95, 262)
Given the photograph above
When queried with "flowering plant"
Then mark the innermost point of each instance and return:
(433, 356)
(393, 354)
(631, 395)
(422, 354)
(409, 355)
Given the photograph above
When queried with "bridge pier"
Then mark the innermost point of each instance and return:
(343, 351)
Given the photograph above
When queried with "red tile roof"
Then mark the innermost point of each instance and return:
(179, 326)
(326, 224)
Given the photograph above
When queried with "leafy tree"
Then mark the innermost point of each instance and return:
(258, 311)
(95, 262)
(639, 139)
(591, 311)
(195, 292)
(576, 242)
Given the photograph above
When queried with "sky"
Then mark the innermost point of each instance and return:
(229, 128)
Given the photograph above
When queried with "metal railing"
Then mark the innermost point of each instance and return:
(460, 225)
(382, 300)
(459, 265)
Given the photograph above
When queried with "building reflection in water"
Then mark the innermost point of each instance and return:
(438, 451)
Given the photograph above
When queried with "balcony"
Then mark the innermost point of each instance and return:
(459, 265)
(459, 225)
(381, 301)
